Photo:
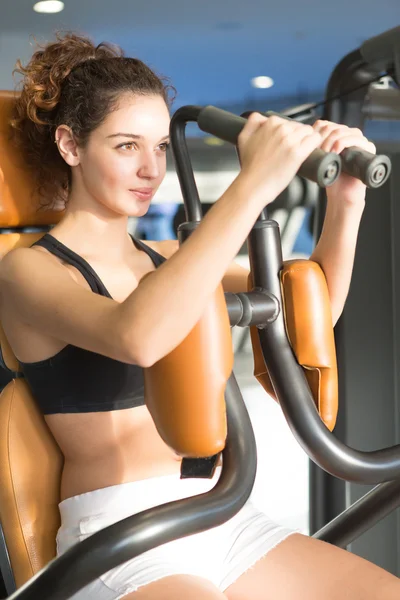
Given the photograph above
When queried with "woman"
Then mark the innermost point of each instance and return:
(94, 126)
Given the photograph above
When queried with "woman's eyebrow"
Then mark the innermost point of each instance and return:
(133, 136)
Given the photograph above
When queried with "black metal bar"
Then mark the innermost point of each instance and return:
(5, 565)
(319, 166)
(291, 386)
(263, 215)
(130, 537)
(304, 113)
(327, 497)
(382, 104)
(251, 308)
(341, 92)
(328, 493)
(383, 52)
(344, 104)
(181, 158)
(362, 515)
(324, 168)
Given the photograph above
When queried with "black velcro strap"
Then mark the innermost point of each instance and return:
(199, 467)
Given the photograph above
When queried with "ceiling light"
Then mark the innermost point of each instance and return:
(48, 6)
(262, 82)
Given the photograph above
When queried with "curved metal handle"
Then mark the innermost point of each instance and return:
(181, 156)
(286, 375)
(134, 535)
(291, 386)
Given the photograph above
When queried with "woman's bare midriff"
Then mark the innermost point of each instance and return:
(110, 448)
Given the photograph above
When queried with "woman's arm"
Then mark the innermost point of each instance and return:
(337, 244)
(336, 249)
(164, 308)
(345, 205)
(235, 278)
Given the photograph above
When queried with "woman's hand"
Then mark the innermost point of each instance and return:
(272, 150)
(335, 138)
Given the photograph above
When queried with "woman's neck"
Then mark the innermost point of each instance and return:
(89, 234)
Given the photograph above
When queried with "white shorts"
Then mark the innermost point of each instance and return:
(219, 555)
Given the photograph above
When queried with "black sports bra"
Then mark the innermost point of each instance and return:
(77, 380)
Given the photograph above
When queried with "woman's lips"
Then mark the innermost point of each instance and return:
(143, 193)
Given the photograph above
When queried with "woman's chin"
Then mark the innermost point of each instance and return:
(132, 209)
(140, 211)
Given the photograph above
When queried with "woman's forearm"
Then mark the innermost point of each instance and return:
(336, 249)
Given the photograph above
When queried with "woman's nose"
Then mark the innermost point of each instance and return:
(149, 167)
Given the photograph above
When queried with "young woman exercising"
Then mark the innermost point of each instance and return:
(93, 126)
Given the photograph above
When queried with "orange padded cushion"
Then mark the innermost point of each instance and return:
(30, 473)
(309, 328)
(185, 390)
(30, 464)
(18, 204)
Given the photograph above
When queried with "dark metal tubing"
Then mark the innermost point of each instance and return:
(252, 308)
(180, 153)
(383, 51)
(382, 104)
(362, 515)
(344, 104)
(327, 494)
(341, 107)
(5, 565)
(130, 537)
(291, 385)
(320, 166)
(351, 71)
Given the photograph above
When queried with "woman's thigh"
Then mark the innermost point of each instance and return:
(178, 587)
(302, 568)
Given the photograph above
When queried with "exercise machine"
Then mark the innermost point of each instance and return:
(286, 307)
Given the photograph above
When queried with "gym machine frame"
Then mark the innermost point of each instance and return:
(261, 307)
(350, 100)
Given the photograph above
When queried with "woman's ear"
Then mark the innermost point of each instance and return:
(67, 145)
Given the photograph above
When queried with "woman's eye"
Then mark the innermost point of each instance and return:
(132, 146)
(127, 146)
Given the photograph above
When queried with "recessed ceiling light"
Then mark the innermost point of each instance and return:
(263, 82)
(48, 6)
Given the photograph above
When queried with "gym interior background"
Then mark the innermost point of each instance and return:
(213, 51)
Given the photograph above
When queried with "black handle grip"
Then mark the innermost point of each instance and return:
(321, 167)
(371, 169)
(222, 124)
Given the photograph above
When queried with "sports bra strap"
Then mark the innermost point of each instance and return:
(157, 258)
(69, 256)
(58, 249)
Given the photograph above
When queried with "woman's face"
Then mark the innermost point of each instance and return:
(124, 161)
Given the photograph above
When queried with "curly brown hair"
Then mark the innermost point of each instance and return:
(75, 83)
